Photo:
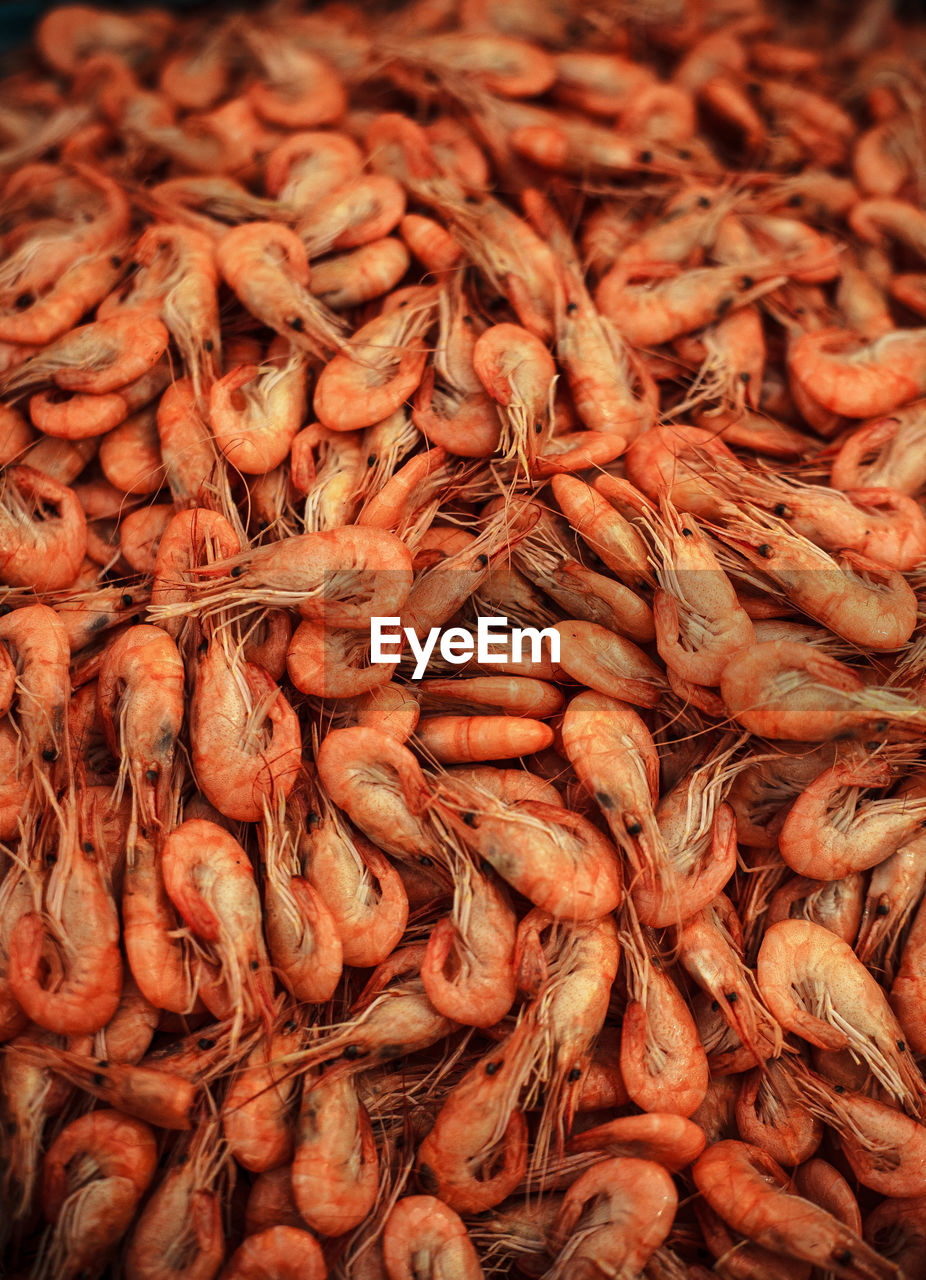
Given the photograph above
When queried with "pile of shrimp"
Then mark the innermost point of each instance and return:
(607, 318)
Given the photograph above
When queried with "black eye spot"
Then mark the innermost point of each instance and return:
(765, 551)
(353, 1052)
(646, 157)
(745, 376)
(482, 560)
(843, 1257)
(237, 571)
(469, 819)
(634, 828)
(880, 726)
(151, 775)
(780, 509)
(205, 1043)
(102, 1062)
(572, 308)
(723, 306)
(838, 1088)
(703, 202)
(296, 323)
(574, 1075)
(753, 86)
(98, 1079)
(882, 909)
(746, 282)
(51, 859)
(468, 320)
(794, 202)
(732, 998)
(255, 965)
(209, 344)
(126, 599)
(291, 1025)
(492, 1067)
(715, 1006)
(115, 261)
(902, 1046)
(538, 427)
(24, 301)
(88, 847)
(425, 861)
(687, 533)
(49, 754)
(604, 800)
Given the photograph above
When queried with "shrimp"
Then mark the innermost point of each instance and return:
(859, 380)
(256, 411)
(358, 213)
(423, 1239)
(667, 1139)
(96, 358)
(663, 1064)
(305, 166)
(209, 879)
(518, 373)
(750, 1192)
(816, 986)
(345, 576)
(283, 1251)
(335, 1172)
(897, 1230)
(179, 1231)
(476, 1153)
(828, 833)
(613, 538)
(301, 89)
(379, 369)
(907, 987)
(258, 1105)
(884, 453)
(95, 1175)
(461, 739)
(613, 1218)
(895, 888)
(43, 530)
(302, 934)
(81, 922)
(265, 264)
(34, 642)
(783, 689)
(369, 271)
(771, 1116)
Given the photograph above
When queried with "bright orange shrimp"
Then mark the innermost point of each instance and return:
(257, 1107)
(43, 531)
(191, 536)
(302, 934)
(476, 1153)
(367, 272)
(301, 91)
(859, 380)
(461, 739)
(36, 651)
(265, 264)
(771, 1116)
(140, 701)
(255, 412)
(210, 881)
(614, 1216)
(333, 663)
(305, 166)
(363, 210)
(815, 985)
(179, 1231)
(97, 358)
(761, 1208)
(335, 1172)
(612, 537)
(283, 1251)
(95, 1174)
(380, 368)
(884, 453)
(433, 246)
(192, 468)
(667, 1139)
(897, 1230)
(422, 1232)
(514, 695)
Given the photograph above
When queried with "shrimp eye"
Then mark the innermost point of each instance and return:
(255, 965)
(794, 202)
(687, 533)
(844, 1257)
(425, 861)
(98, 1078)
(482, 560)
(715, 1006)
(604, 800)
(882, 909)
(574, 1074)
(468, 320)
(88, 846)
(102, 1062)
(51, 859)
(23, 301)
(296, 323)
(572, 308)
(312, 819)
(655, 962)
(469, 819)
(151, 775)
(645, 157)
(126, 599)
(492, 1067)
(780, 509)
(880, 726)
(745, 376)
(839, 1088)
(703, 202)
(538, 427)
(205, 1043)
(371, 460)
(902, 1046)
(354, 1051)
(753, 86)
(49, 754)
(291, 1025)
(209, 344)
(746, 282)
(732, 998)
(115, 261)
(765, 551)
(634, 828)
(237, 571)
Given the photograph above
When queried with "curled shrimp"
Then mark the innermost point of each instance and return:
(816, 986)
(284, 1251)
(424, 1237)
(43, 530)
(859, 380)
(750, 1191)
(335, 1172)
